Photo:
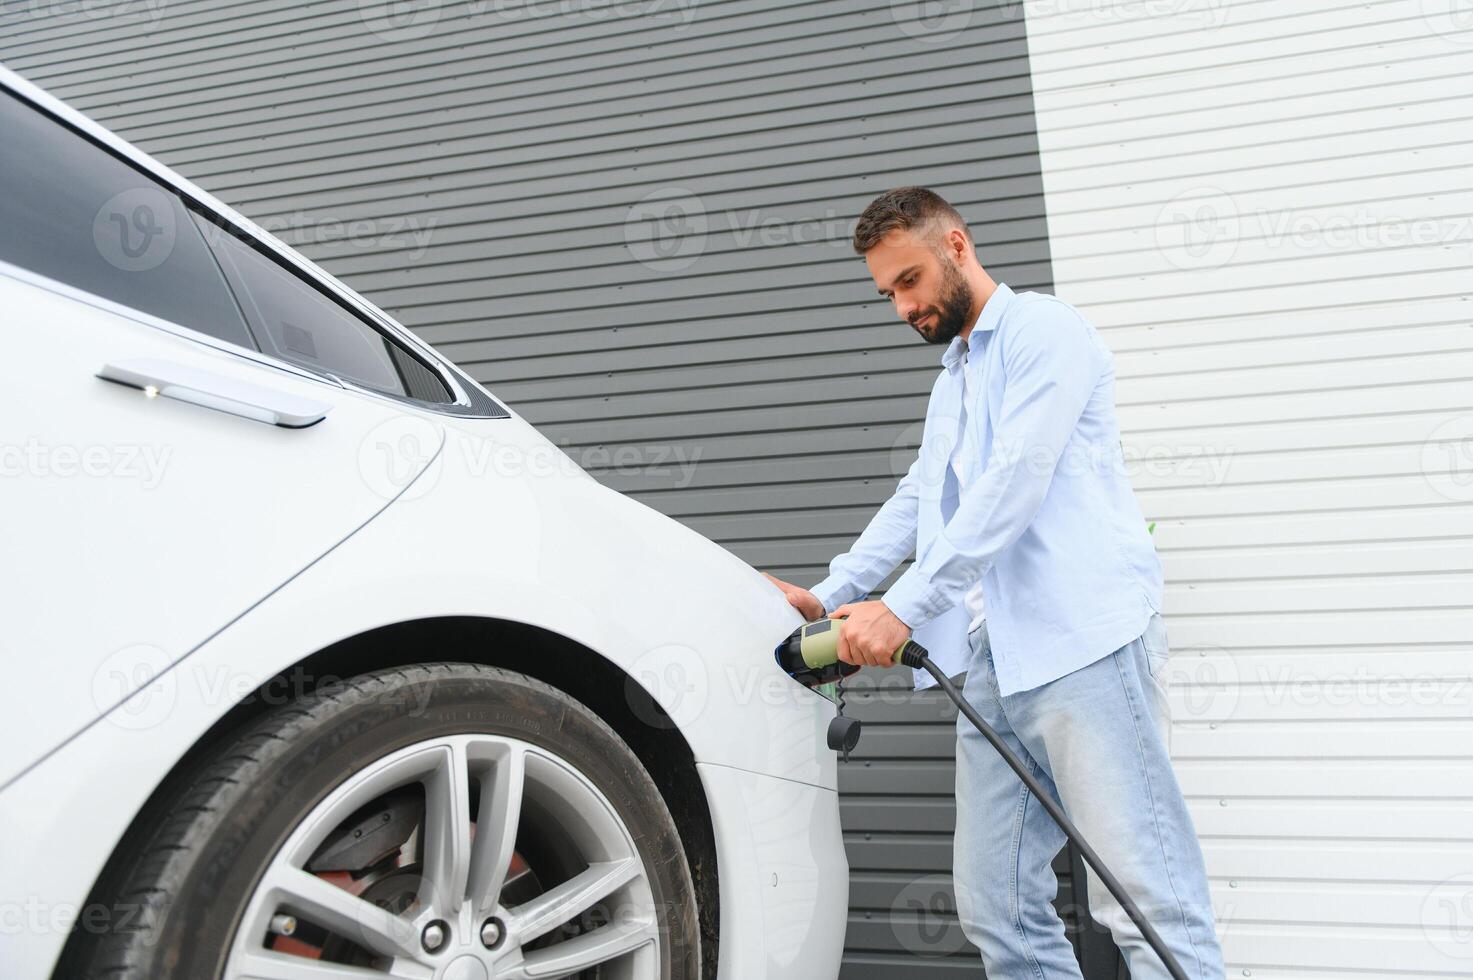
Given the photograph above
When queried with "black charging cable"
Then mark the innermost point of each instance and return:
(915, 656)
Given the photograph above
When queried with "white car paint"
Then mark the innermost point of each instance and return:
(137, 617)
(105, 595)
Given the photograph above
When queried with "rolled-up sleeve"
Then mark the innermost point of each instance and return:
(1051, 368)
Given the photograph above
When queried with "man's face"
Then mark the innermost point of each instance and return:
(928, 290)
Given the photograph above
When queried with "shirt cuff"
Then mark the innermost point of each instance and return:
(914, 601)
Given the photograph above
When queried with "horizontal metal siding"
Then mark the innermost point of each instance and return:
(482, 177)
(1265, 208)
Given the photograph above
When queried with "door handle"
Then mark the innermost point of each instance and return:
(159, 378)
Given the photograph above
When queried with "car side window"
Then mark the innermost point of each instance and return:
(296, 322)
(73, 212)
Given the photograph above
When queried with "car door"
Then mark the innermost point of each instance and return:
(178, 437)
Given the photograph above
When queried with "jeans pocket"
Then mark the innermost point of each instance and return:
(1158, 653)
(1158, 658)
(981, 674)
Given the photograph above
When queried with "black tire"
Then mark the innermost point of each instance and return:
(181, 893)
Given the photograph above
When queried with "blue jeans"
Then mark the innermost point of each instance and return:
(1096, 739)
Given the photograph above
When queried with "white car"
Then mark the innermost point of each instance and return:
(321, 663)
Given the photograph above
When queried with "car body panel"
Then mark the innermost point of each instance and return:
(785, 879)
(103, 468)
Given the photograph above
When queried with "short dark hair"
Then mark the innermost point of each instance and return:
(906, 208)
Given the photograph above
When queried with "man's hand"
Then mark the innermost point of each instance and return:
(871, 634)
(801, 599)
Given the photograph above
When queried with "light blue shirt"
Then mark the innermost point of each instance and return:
(1049, 524)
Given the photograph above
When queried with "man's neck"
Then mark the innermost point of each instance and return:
(983, 291)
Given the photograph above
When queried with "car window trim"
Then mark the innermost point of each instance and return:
(200, 213)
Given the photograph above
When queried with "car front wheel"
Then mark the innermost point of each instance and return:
(438, 822)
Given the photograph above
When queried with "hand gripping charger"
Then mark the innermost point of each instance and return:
(810, 655)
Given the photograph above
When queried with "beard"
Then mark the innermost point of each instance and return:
(953, 307)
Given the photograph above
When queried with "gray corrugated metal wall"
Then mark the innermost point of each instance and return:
(631, 221)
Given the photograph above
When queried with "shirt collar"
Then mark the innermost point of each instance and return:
(988, 319)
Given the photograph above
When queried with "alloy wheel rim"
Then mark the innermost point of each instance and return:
(462, 868)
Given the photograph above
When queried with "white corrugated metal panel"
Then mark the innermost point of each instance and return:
(1265, 208)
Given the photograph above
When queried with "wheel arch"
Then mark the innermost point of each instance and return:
(554, 659)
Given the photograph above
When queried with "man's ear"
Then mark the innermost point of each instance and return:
(956, 244)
